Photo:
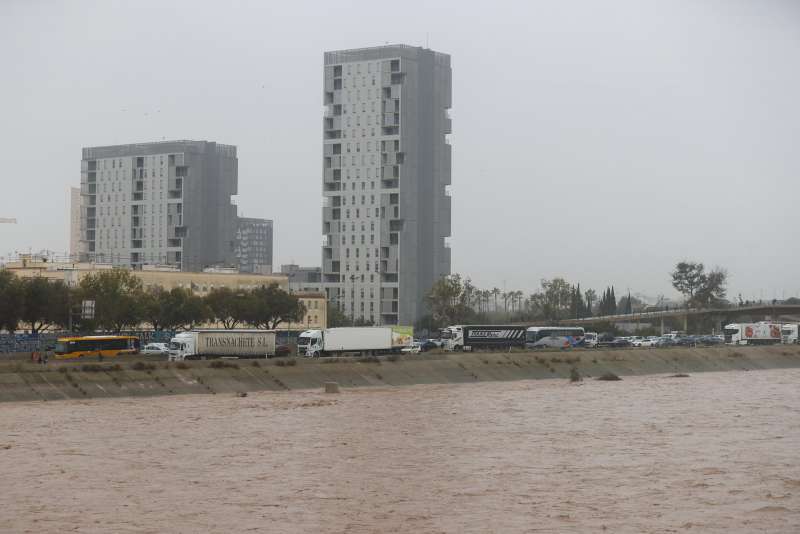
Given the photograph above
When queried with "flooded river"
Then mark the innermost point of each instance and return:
(714, 452)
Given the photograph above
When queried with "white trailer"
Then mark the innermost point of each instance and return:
(789, 334)
(219, 343)
(363, 340)
(752, 333)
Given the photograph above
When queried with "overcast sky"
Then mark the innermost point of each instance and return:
(599, 141)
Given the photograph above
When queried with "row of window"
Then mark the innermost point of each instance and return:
(347, 250)
(353, 200)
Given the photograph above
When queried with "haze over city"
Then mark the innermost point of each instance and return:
(602, 143)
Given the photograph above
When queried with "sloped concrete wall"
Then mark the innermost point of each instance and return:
(80, 380)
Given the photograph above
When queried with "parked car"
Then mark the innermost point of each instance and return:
(686, 341)
(609, 341)
(283, 350)
(590, 339)
(664, 342)
(425, 346)
(161, 349)
(709, 341)
(414, 348)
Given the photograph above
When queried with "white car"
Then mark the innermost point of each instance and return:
(415, 348)
(642, 341)
(156, 348)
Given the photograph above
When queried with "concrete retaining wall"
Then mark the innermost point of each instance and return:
(22, 381)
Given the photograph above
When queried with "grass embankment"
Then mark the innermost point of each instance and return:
(128, 377)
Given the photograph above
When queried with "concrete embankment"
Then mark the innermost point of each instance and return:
(126, 378)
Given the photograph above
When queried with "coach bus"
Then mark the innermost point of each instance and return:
(562, 337)
(97, 346)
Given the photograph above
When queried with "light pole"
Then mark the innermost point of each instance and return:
(352, 299)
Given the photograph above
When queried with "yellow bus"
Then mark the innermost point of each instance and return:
(99, 346)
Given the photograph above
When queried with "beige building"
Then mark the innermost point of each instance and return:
(199, 283)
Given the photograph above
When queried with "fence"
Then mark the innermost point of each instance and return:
(40, 342)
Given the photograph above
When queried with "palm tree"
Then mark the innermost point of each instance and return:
(496, 293)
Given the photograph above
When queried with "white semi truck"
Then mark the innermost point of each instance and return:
(369, 340)
(219, 343)
(763, 333)
(789, 334)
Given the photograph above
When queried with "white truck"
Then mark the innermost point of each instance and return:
(369, 340)
(789, 334)
(220, 343)
(763, 333)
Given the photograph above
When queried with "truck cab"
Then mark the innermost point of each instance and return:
(310, 343)
(789, 334)
(182, 346)
(453, 338)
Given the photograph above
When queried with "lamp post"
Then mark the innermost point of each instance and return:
(352, 299)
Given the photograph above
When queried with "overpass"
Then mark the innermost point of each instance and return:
(775, 312)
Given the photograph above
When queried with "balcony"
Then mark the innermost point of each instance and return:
(391, 119)
(390, 172)
(389, 307)
(331, 266)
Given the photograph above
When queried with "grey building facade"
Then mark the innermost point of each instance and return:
(253, 245)
(386, 167)
(303, 279)
(164, 203)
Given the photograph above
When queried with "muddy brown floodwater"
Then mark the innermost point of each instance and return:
(715, 452)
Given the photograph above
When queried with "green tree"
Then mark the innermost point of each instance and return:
(228, 306)
(555, 298)
(45, 303)
(591, 298)
(155, 308)
(712, 293)
(701, 289)
(10, 301)
(119, 298)
(185, 309)
(270, 306)
(449, 300)
(337, 317)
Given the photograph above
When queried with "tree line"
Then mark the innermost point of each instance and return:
(456, 300)
(122, 303)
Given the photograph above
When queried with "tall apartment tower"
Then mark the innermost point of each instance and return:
(253, 245)
(165, 203)
(75, 243)
(386, 168)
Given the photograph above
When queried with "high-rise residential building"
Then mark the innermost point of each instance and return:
(76, 248)
(253, 245)
(386, 169)
(165, 203)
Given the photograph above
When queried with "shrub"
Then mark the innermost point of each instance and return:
(608, 377)
(256, 364)
(95, 368)
(574, 375)
(143, 366)
(182, 365)
(393, 357)
(222, 364)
